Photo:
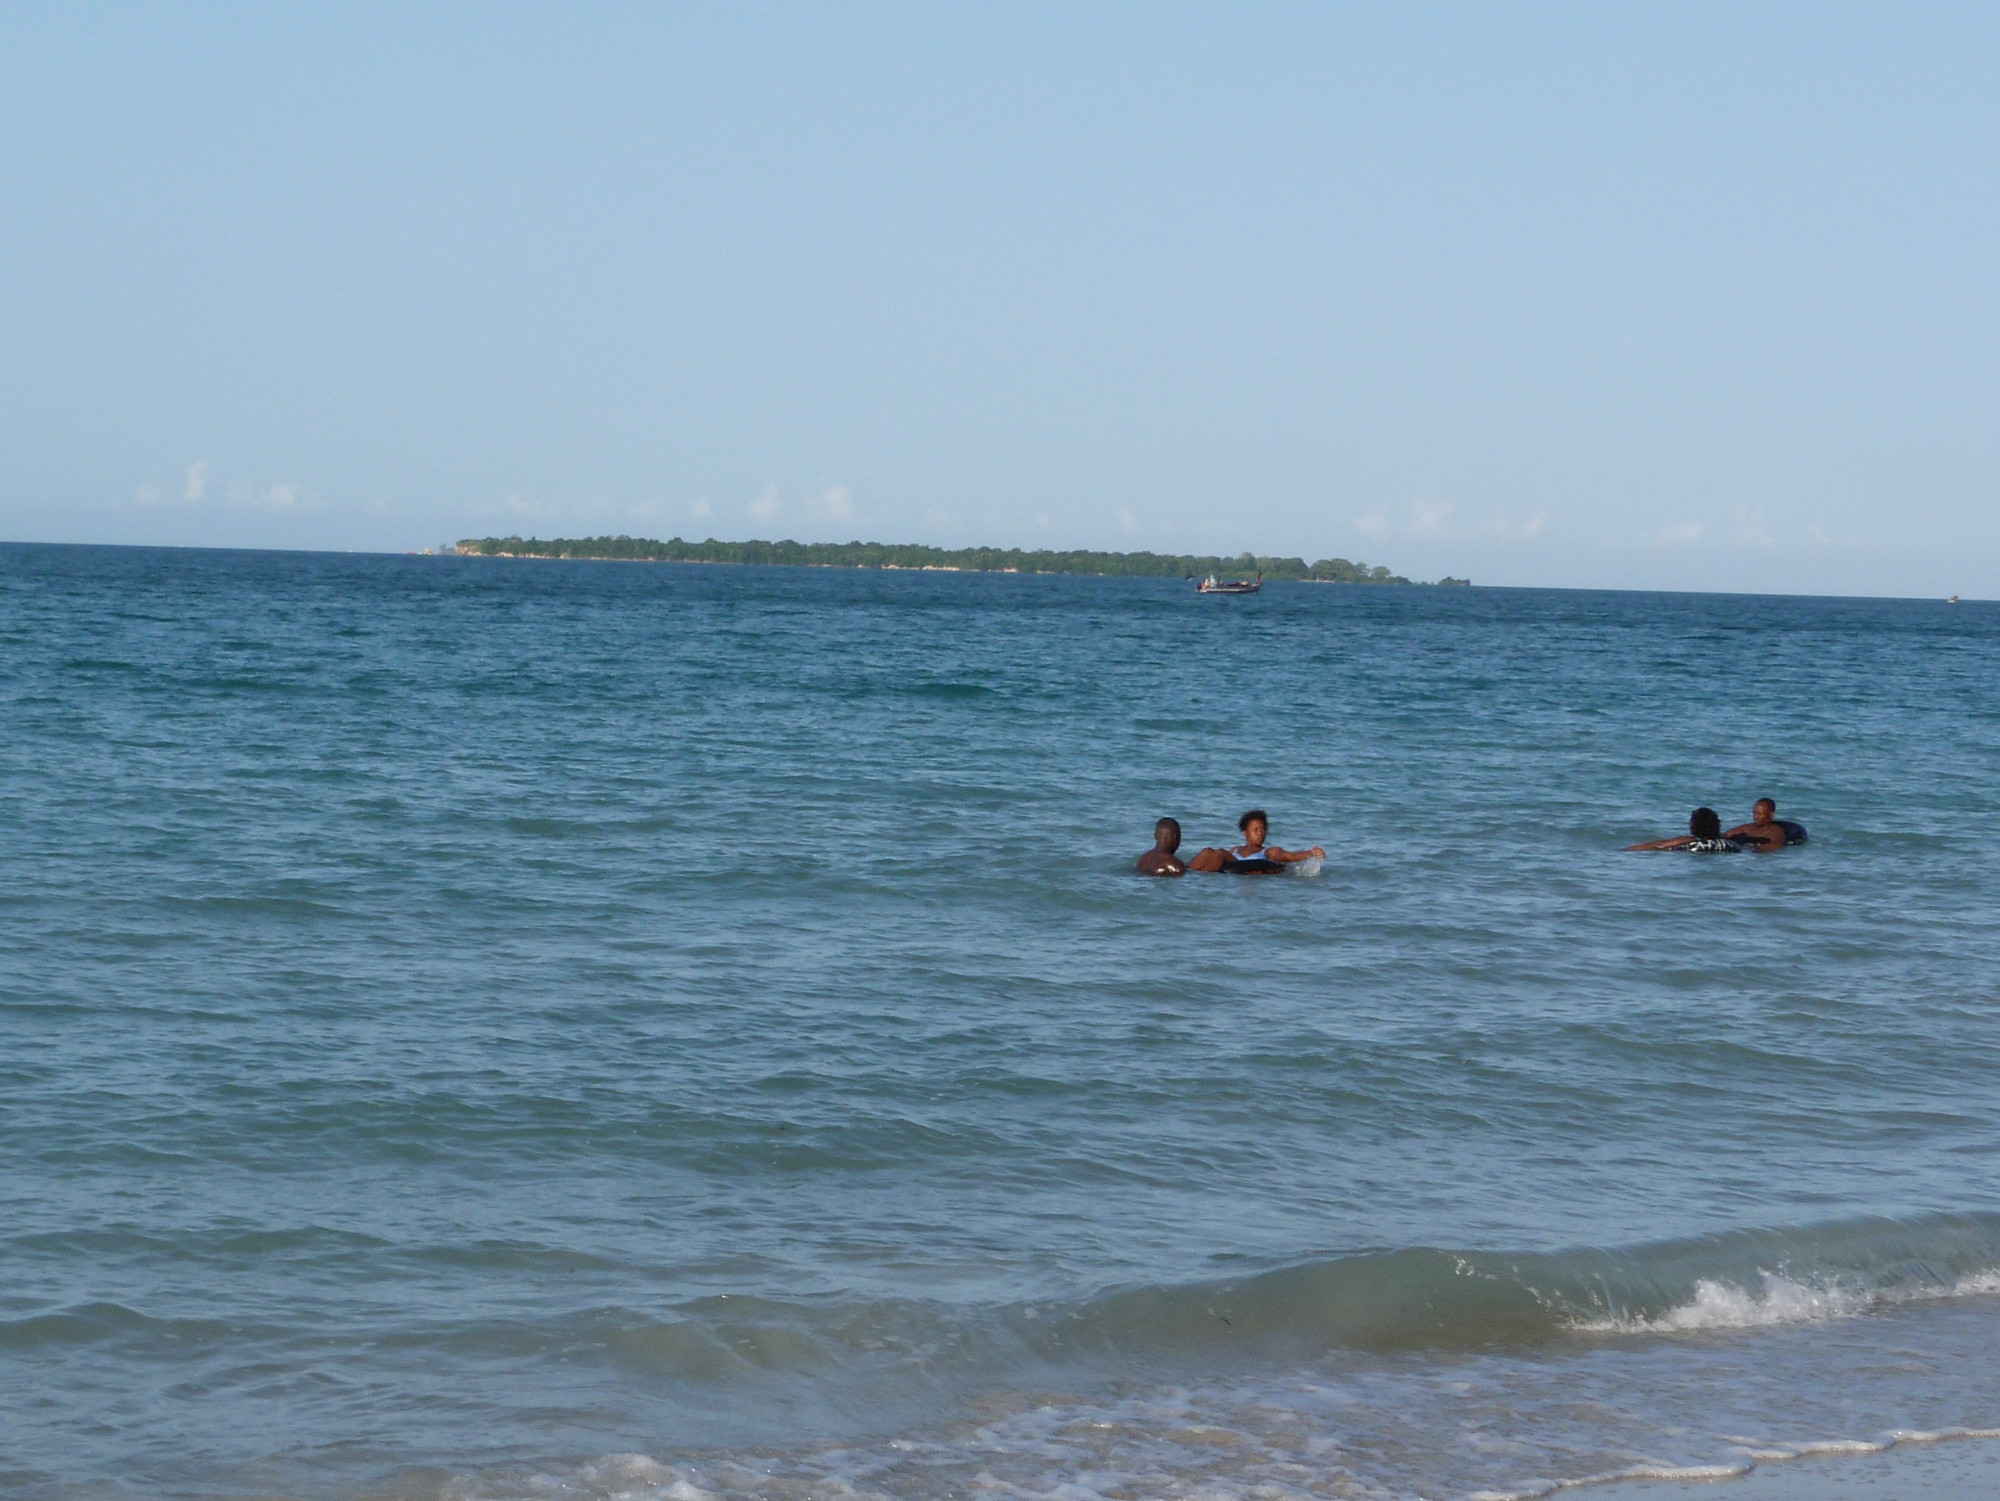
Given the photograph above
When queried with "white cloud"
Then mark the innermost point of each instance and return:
(765, 507)
(147, 495)
(587, 511)
(1429, 519)
(704, 508)
(1439, 521)
(282, 497)
(838, 502)
(1127, 520)
(197, 480)
(1042, 520)
(1681, 534)
(1750, 528)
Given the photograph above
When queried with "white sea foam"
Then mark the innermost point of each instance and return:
(1161, 1446)
(1940, 1435)
(615, 1477)
(1726, 1305)
(1783, 1300)
(1540, 1489)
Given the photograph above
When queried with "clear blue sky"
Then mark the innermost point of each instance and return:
(1671, 295)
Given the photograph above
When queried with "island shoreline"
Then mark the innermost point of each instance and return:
(917, 558)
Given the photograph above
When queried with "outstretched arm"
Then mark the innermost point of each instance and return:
(1770, 838)
(1664, 844)
(1291, 857)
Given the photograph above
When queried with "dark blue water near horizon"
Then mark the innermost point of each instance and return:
(496, 1029)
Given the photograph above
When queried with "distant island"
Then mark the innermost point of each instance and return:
(933, 559)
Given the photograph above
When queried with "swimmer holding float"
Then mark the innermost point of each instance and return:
(1767, 831)
(1253, 857)
(1705, 836)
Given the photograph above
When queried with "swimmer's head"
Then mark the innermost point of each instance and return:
(1763, 810)
(1705, 823)
(1167, 835)
(1256, 819)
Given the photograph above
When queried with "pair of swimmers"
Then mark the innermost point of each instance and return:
(1706, 836)
(1253, 857)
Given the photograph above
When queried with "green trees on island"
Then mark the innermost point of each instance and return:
(965, 559)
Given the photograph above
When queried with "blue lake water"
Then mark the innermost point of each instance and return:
(477, 1030)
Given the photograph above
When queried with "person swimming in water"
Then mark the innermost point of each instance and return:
(1161, 859)
(1704, 837)
(1253, 857)
(1764, 831)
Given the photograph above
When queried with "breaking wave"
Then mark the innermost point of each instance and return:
(1427, 1298)
(878, 1356)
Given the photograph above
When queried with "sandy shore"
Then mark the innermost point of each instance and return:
(1951, 1470)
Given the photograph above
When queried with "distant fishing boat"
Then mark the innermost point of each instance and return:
(1953, 600)
(1214, 585)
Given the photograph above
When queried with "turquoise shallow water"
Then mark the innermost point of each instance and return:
(488, 1029)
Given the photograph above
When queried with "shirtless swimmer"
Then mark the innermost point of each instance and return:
(1763, 832)
(1161, 860)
